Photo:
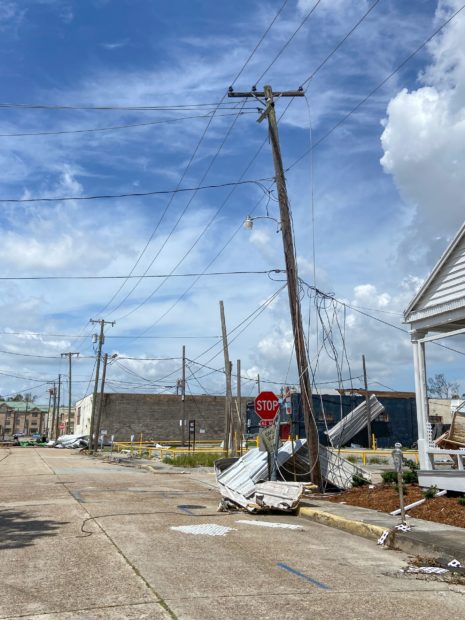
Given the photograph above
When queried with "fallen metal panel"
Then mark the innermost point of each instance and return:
(243, 482)
(354, 422)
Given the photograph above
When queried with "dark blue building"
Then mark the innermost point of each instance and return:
(397, 423)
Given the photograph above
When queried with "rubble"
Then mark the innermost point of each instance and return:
(243, 483)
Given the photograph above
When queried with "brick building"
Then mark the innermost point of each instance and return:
(21, 417)
(156, 416)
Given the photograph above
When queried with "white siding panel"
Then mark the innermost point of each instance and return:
(449, 283)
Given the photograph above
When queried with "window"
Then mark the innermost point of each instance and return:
(7, 430)
(34, 415)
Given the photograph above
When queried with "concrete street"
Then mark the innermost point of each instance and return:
(81, 538)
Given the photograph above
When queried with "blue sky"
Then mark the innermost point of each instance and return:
(381, 195)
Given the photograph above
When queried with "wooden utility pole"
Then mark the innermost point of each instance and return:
(69, 355)
(51, 423)
(241, 429)
(57, 418)
(100, 405)
(292, 277)
(183, 397)
(227, 370)
(259, 389)
(367, 401)
(101, 339)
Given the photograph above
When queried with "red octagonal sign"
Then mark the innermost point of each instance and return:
(266, 405)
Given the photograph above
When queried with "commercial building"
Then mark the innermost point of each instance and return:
(156, 416)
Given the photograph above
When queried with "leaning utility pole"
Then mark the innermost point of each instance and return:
(239, 408)
(100, 405)
(227, 370)
(102, 324)
(291, 270)
(183, 397)
(367, 401)
(69, 355)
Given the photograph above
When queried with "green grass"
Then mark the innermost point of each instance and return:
(201, 459)
(375, 460)
(352, 459)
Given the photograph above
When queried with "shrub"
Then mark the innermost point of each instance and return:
(359, 481)
(389, 477)
(461, 500)
(352, 459)
(375, 460)
(411, 464)
(430, 492)
(201, 459)
(410, 477)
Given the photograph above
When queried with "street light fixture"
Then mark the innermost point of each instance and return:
(248, 222)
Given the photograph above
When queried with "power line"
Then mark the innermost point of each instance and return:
(107, 336)
(341, 42)
(146, 276)
(257, 182)
(280, 10)
(175, 225)
(203, 177)
(187, 106)
(117, 127)
(375, 90)
(302, 23)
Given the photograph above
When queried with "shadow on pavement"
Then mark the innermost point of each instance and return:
(20, 529)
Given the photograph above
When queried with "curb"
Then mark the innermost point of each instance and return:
(407, 542)
(358, 528)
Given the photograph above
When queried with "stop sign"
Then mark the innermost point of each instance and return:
(266, 405)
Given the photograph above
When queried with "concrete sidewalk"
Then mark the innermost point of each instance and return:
(425, 539)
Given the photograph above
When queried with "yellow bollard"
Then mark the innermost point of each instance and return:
(364, 458)
(257, 440)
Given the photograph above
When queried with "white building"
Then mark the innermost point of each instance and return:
(438, 312)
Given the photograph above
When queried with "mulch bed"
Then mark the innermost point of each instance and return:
(385, 498)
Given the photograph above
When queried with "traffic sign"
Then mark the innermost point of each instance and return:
(266, 405)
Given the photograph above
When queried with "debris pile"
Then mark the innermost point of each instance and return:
(244, 483)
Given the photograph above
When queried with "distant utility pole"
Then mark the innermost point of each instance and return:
(51, 419)
(101, 339)
(367, 401)
(227, 370)
(57, 422)
(183, 397)
(291, 270)
(100, 405)
(69, 355)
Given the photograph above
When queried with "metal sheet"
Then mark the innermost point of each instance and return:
(354, 422)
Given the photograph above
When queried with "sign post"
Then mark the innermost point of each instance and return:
(397, 458)
(267, 408)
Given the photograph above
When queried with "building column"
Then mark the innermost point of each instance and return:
(421, 396)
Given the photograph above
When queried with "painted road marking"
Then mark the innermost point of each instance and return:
(286, 526)
(206, 529)
(323, 586)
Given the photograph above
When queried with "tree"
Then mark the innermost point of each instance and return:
(440, 387)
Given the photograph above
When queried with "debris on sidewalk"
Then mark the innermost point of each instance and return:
(70, 441)
(244, 482)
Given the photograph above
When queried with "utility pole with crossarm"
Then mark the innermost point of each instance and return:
(100, 337)
(69, 355)
(291, 270)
